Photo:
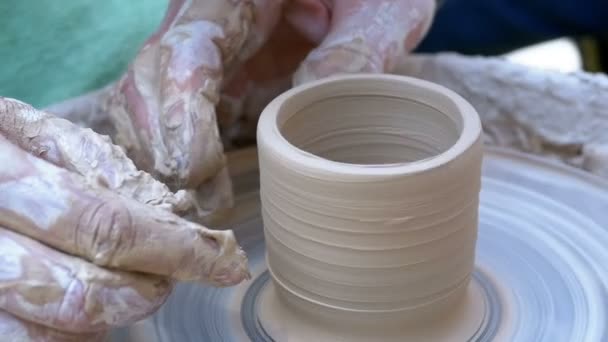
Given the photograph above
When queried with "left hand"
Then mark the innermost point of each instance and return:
(88, 242)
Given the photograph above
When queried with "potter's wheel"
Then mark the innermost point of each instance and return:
(541, 269)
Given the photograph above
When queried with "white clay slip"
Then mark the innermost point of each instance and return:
(370, 190)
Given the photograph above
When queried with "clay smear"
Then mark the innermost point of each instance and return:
(86, 153)
(164, 106)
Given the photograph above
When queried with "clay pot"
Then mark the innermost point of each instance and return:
(369, 189)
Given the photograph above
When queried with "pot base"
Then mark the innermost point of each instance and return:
(283, 320)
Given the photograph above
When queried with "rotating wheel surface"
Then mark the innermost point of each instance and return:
(541, 260)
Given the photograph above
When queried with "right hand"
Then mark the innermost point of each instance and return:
(87, 242)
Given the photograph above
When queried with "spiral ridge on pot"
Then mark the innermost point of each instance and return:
(370, 190)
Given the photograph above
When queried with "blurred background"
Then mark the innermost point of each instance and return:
(52, 50)
(559, 54)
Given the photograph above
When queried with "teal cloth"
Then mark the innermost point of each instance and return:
(51, 50)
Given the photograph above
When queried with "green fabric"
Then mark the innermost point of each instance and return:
(51, 50)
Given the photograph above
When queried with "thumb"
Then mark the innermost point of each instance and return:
(367, 36)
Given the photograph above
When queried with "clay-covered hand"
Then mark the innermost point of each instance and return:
(295, 41)
(230, 57)
(87, 242)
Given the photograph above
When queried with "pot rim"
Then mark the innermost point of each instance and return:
(427, 93)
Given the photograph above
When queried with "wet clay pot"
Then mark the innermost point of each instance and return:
(370, 188)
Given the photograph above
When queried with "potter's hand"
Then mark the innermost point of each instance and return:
(239, 55)
(298, 41)
(86, 241)
(357, 35)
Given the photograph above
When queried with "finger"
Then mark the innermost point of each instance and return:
(198, 43)
(15, 329)
(191, 75)
(367, 36)
(133, 105)
(66, 293)
(311, 17)
(173, 86)
(204, 49)
(269, 71)
(212, 39)
(84, 152)
(61, 210)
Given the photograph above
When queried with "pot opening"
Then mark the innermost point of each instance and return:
(371, 129)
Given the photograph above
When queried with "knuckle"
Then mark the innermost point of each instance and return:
(110, 229)
(67, 316)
